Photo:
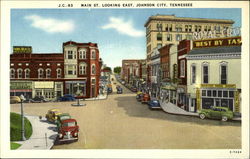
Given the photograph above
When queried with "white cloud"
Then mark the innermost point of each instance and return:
(51, 25)
(123, 27)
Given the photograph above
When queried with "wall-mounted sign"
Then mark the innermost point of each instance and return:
(20, 85)
(22, 49)
(227, 32)
(232, 41)
(44, 84)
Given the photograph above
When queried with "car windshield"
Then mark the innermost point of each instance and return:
(69, 124)
(64, 117)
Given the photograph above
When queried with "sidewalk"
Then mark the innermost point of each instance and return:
(38, 140)
(99, 97)
(173, 109)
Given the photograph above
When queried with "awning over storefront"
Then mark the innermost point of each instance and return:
(21, 90)
(169, 87)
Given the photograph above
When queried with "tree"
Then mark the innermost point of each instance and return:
(117, 70)
(108, 69)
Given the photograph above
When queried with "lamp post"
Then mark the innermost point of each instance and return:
(78, 100)
(22, 118)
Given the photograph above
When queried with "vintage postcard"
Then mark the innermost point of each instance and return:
(125, 79)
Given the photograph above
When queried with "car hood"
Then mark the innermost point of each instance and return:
(69, 128)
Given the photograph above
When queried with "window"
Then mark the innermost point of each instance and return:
(214, 93)
(27, 73)
(58, 73)
(231, 94)
(48, 73)
(219, 93)
(225, 93)
(93, 70)
(197, 28)
(193, 74)
(93, 54)
(205, 74)
(178, 37)
(70, 70)
(70, 54)
(83, 69)
(159, 45)
(40, 73)
(182, 68)
(169, 27)
(178, 27)
(82, 54)
(189, 37)
(19, 73)
(209, 93)
(223, 75)
(159, 36)
(204, 93)
(159, 27)
(12, 73)
(169, 37)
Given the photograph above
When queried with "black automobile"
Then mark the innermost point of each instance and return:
(119, 90)
(109, 90)
(38, 99)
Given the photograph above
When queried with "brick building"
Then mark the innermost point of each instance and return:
(76, 71)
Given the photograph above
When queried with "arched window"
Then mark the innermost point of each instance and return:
(27, 73)
(223, 72)
(93, 69)
(19, 73)
(82, 54)
(58, 73)
(93, 54)
(193, 73)
(40, 73)
(12, 73)
(82, 68)
(48, 73)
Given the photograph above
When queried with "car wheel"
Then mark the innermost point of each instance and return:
(202, 116)
(224, 118)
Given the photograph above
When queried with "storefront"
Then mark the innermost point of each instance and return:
(219, 95)
(168, 93)
(18, 88)
(77, 88)
(45, 89)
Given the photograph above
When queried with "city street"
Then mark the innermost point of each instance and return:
(120, 122)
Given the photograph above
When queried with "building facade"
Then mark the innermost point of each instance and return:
(169, 29)
(76, 71)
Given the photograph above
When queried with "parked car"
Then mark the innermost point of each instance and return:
(39, 99)
(67, 97)
(222, 113)
(139, 96)
(14, 99)
(119, 90)
(52, 115)
(68, 130)
(61, 118)
(154, 104)
(109, 90)
(133, 89)
(145, 98)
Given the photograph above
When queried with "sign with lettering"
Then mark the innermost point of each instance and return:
(20, 85)
(22, 49)
(44, 84)
(232, 41)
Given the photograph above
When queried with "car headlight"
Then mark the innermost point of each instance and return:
(60, 135)
(75, 134)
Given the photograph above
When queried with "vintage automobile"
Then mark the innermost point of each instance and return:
(67, 97)
(39, 99)
(62, 117)
(119, 90)
(139, 96)
(68, 130)
(145, 98)
(154, 104)
(222, 113)
(109, 90)
(14, 99)
(133, 89)
(52, 115)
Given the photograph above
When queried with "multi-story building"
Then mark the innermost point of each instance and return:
(169, 29)
(155, 73)
(76, 71)
(213, 74)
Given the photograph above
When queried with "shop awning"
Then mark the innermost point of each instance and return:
(169, 87)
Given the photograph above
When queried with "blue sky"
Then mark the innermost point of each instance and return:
(120, 33)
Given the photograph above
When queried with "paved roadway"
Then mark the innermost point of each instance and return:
(120, 122)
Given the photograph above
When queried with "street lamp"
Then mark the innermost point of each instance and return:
(78, 100)
(22, 118)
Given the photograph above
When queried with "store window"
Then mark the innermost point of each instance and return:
(83, 68)
(40, 73)
(48, 73)
(12, 73)
(169, 37)
(27, 73)
(58, 73)
(93, 69)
